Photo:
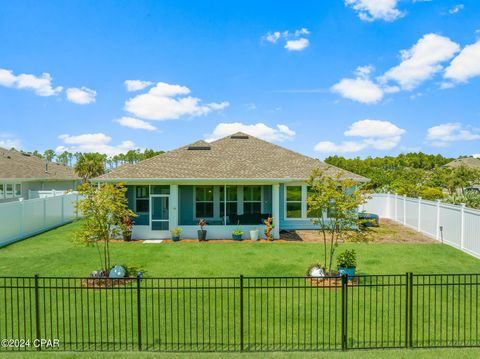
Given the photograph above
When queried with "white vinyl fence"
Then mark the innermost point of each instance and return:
(457, 226)
(21, 219)
(43, 194)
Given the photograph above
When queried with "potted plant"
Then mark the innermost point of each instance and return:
(237, 235)
(254, 234)
(347, 263)
(270, 226)
(202, 233)
(176, 233)
(127, 227)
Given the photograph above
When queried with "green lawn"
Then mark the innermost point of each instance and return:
(360, 354)
(53, 253)
(204, 315)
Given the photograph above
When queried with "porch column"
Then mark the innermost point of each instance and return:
(173, 207)
(276, 210)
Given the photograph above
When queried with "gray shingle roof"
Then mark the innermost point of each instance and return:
(238, 156)
(16, 164)
(469, 162)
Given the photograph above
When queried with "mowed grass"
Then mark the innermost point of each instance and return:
(54, 253)
(360, 354)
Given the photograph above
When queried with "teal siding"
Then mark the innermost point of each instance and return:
(290, 224)
(185, 206)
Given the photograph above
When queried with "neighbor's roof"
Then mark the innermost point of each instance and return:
(469, 162)
(238, 156)
(20, 165)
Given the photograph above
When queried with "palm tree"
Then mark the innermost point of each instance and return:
(49, 155)
(90, 165)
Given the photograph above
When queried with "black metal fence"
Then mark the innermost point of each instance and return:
(239, 313)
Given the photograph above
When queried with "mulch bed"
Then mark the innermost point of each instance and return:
(105, 282)
(332, 282)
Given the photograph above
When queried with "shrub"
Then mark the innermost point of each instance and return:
(237, 232)
(176, 231)
(470, 198)
(347, 259)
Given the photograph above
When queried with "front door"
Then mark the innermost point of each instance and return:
(159, 211)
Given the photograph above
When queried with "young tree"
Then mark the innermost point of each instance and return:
(103, 209)
(90, 165)
(333, 203)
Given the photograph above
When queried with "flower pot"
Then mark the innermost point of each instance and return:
(127, 236)
(254, 235)
(175, 238)
(237, 237)
(350, 272)
(202, 234)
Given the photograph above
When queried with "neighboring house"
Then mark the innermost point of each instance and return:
(22, 175)
(468, 162)
(233, 183)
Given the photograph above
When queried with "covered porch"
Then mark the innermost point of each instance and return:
(226, 206)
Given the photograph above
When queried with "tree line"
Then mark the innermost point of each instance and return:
(411, 174)
(92, 164)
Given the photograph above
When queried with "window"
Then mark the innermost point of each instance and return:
(18, 190)
(9, 190)
(204, 201)
(252, 199)
(142, 201)
(231, 198)
(161, 189)
(2, 191)
(294, 201)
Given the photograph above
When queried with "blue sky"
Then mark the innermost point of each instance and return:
(349, 77)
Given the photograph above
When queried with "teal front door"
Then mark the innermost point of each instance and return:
(159, 211)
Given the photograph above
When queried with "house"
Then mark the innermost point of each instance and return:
(22, 175)
(468, 162)
(233, 183)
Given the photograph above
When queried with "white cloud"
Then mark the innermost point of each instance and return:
(476, 155)
(81, 96)
(272, 37)
(294, 41)
(376, 134)
(360, 89)
(93, 142)
(456, 9)
(169, 102)
(260, 130)
(374, 128)
(344, 147)
(443, 135)
(135, 123)
(137, 85)
(8, 141)
(465, 66)
(297, 45)
(42, 85)
(371, 10)
(422, 61)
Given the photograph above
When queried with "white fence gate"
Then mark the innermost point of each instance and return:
(457, 226)
(21, 219)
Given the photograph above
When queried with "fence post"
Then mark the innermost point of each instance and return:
(409, 311)
(462, 225)
(44, 212)
(395, 209)
(404, 209)
(241, 313)
(139, 313)
(344, 311)
(38, 334)
(419, 226)
(437, 236)
(63, 209)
